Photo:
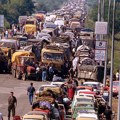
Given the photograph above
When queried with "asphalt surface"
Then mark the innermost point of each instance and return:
(7, 84)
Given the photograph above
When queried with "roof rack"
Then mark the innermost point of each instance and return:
(54, 47)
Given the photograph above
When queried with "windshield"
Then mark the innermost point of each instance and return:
(84, 105)
(84, 100)
(53, 56)
(7, 44)
(30, 22)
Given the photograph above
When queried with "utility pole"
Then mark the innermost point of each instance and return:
(105, 71)
(98, 11)
(112, 56)
(118, 114)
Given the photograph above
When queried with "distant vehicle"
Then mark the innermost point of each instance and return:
(42, 88)
(87, 116)
(115, 88)
(97, 86)
(59, 22)
(87, 70)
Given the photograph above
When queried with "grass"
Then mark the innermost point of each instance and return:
(116, 54)
(91, 24)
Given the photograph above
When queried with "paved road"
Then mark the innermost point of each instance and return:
(19, 87)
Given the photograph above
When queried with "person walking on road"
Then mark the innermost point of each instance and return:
(1, 116)
(12, 103)
(30, 92)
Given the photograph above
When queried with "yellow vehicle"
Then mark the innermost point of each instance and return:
(7, 48)
(30, 29)
(23, 64)
(7, 44)
(53, 55)
(31, 25)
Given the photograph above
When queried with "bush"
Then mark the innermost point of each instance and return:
(117, 36)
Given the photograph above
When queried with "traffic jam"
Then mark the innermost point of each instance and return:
(57, 48)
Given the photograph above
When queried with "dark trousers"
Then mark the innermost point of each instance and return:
(11, 108)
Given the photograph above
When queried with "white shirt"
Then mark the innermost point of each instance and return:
(6, 32)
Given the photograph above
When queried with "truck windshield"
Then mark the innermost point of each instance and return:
(53, 56)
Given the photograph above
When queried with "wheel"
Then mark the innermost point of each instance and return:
(13, 73)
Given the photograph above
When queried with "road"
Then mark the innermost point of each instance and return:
(7, 84)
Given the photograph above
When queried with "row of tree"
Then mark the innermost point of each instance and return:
(12, 9)
(94, 13)
(49, 5)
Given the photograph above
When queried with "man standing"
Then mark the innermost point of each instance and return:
(30, 92)
(12, 103)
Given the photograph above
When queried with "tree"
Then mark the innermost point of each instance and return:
(49, 5)
(12, 9)
(117, 18)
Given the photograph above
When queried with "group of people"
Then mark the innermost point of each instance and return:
(45, 72)
(104, 110)
(68, 93)
(12, 101)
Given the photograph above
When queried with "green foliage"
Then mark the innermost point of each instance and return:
(49, 5)
(117, 36)
(93, 15)
(12, 9)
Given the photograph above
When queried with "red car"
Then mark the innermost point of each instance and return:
(115, 88)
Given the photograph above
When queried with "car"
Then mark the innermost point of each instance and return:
(44, 87)
(115, 88)
(77, 99)
(57, 81)
(97, 86)
(35, 115)
(87, 116)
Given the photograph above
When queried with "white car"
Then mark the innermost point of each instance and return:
(80, 91)
(87, 116)
(97, 86)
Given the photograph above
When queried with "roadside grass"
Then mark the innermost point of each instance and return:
(116, 54)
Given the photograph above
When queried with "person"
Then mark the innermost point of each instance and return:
(70, 91)
(101, 110)
(1, 116)
(117, 75)
(51, 72)
(71, 73)
(108, 113)
(6, 34)
(106, 93)
(30, 92)
(44, 73)
(12, 103)
(75, 82)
